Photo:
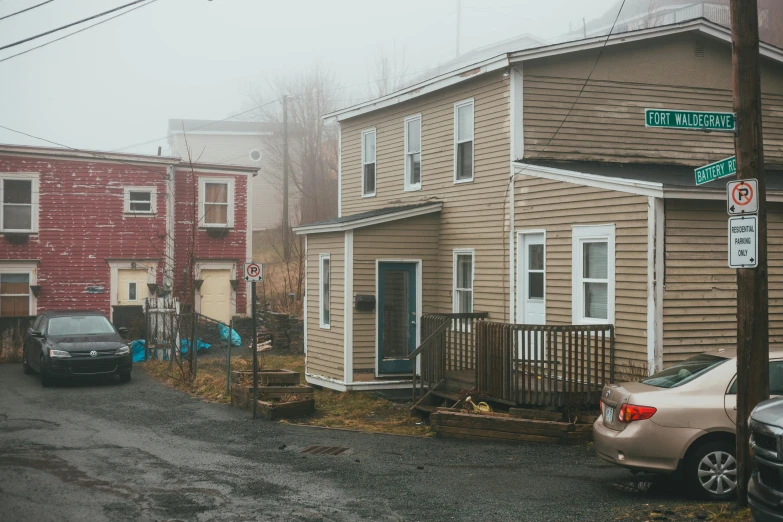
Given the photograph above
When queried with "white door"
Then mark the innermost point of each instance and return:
(531, 285)
(216, 295)
(132, 289)
(531, 288)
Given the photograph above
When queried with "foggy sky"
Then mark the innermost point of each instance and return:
(117, 84)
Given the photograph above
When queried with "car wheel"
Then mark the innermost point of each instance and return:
(125, 377)
(46, 379)
(25, 366)
(712, 471)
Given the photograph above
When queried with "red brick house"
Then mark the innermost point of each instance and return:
(90, 230)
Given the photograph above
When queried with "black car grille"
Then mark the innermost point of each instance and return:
(86, 355)
(765, 442)
(93, 369)
(770, 476)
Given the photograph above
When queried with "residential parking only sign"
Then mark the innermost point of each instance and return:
(743, 242)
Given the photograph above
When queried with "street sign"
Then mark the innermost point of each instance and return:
(743, 241)
(254, 272)
(741, 197)
(694, 120)
(717, 170)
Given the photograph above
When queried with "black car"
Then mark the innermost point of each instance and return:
(71, 344)
(765, 490)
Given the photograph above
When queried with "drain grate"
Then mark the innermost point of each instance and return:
(324, 450)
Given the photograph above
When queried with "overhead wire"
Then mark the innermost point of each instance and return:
(79, 31)
(25, 10)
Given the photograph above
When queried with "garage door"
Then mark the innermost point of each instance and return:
(216, 294)
(132, 287)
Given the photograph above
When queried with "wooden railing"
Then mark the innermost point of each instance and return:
(448, 345)
(515, 363)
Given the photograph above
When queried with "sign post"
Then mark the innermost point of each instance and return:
(254, 272)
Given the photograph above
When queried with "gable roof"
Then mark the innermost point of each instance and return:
(504, 60)
(223, 127)
(369, 218)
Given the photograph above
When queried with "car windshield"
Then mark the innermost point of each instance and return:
(684, 371)
(80, 325)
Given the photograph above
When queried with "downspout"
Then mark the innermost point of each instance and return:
(168, 275)
(517, 151)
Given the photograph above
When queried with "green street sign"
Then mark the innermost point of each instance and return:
(692, 120)
(717, 170)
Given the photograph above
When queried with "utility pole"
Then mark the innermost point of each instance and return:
(459, 23)
(752, 283)
(286, 235)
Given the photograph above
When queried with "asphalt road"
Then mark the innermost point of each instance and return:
(105, 451)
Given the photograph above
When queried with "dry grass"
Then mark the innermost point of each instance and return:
(711, 512)
(363, 411)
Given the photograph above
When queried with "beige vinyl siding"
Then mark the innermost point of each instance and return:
(556, 206)
(700, 295)
(414, 238)
(608, 121)
(325, 350)
(473, 213)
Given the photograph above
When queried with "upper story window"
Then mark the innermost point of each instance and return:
(463, 141)
(216, 202)
(140, 200)
(368, 162)
(413, 152)
(325, 295)
(593, 274)
(463, 281)
(19, 200)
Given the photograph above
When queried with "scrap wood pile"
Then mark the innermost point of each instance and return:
(280, 394)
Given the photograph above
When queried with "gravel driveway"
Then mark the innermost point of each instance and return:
(100, 450)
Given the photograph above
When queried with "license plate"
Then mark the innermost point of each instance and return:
(608, 414)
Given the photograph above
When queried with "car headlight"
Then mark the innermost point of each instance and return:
(58, 353)
(122, 350)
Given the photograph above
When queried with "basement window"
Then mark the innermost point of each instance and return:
(14, 295)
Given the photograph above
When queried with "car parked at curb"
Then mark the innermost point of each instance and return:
(75, 344)
(681, 421)
(765, 489)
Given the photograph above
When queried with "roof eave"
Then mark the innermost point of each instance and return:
(369, 221)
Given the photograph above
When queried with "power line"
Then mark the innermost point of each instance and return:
(20, 42)
(80, 30)
(25, 10)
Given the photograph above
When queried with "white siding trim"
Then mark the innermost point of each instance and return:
(340, 169)
(517, 115)
(348, 308)
(516, 151)
(305, 301)
(651, 295)
(375, 220)
(642, 188)
(660, 265)
(334, 384)
(579, 234)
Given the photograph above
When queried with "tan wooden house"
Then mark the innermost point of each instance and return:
(455, 197)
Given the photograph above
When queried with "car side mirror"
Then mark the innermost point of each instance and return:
(123, 331)
(36, 333)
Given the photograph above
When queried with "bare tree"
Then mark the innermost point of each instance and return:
(387, 75)
(312, 144)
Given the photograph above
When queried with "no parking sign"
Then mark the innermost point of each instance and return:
(254, 272)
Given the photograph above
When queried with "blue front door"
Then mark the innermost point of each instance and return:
(397, 316)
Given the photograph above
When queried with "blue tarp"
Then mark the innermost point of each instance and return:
(236, 340)
(200, 345)
(137, 349)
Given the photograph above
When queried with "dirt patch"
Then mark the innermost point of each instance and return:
(363, 411)
(711, 512)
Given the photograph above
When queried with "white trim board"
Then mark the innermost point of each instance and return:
(334, 384)
(348, 308)
(369, 221)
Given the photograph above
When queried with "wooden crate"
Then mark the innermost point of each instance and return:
(285, 410)
(500, 427)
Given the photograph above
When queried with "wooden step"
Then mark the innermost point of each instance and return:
(445, 394)
(426, 408)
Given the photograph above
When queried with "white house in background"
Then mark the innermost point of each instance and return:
(240, 143)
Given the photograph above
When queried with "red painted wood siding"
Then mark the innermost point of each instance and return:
(81, 224)
(230, 246)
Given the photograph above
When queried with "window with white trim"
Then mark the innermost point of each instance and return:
(368, 163)
(18, 199)
(140, 200)
(463, 141)
(463, 281)
(593, 274)
(413, 153)
(325, 295)
(14, 294)
(216, 202)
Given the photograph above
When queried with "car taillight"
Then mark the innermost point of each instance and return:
(631, 412)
